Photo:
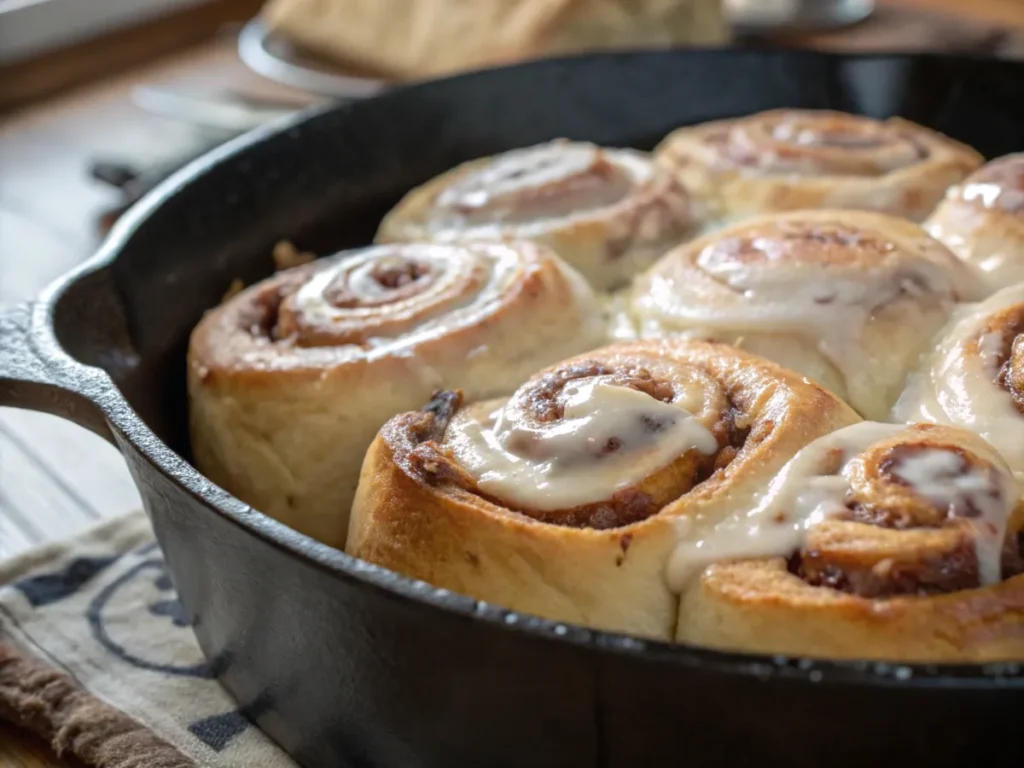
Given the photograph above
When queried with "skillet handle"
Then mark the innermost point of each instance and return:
(35, 379)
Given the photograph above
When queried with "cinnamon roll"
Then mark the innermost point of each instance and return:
(982, 220)
(566, 499)
(974, 378)
(879, 541)
(789, 159)
(849, 298)
(290, 379)
(608, 212)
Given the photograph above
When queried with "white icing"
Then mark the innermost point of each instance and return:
(993, 196)
(990, 347)
(938, 476)
(962, 389)
(621, 326)
(519, 173)
(830, 305)
(446, 265)
(983, 223)
(566, 463)
(776, 525)
(496, 267)
(831, 145)
(811, 489)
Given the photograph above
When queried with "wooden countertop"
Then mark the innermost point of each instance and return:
(56, 479)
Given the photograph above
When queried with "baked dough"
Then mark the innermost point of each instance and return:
(898, 544)
(290, 379)
(629, 443)
(610, 213)
(792, 159)
(849, 298)
(973, 375)
(422, 38)
(982, 220)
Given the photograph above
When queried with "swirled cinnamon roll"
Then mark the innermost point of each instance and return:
(789, 159)
(565, 499)
(974, 378)
(982, 220)
(290, 380)
(878, 541)
(608, 212)
(849, 298)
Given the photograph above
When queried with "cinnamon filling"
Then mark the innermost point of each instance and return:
(830, 246)
(545, 403)
(394, 274)
(393, 279)
(544, 399)
(1011, 372)
(1000, 345)
(871, 569)
(545, 182)
(1011, 376)
(951, 572)
(323, 305)
(263, 320)
(808, 144)
(835, 137)
(965, 504)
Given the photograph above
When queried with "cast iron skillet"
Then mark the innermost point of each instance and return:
(345, 664)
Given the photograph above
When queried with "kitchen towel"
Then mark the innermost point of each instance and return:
(96, 657)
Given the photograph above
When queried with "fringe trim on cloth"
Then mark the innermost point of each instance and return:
(75, 723)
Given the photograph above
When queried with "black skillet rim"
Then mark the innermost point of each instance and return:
(96, 384)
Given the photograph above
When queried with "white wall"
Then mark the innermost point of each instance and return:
(30, 27)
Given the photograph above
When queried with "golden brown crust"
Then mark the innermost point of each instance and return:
(982, 220)
(784, 160)
(608, 212)
(774, 612)
(849, 298)
(896, 579)
(426, 522)
(290, 379)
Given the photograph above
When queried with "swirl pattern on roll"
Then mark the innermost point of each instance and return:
(608, 212)
(788, 159)
(878, 541)
(974, 378)
(594, 462)
(290, 379)
(848, 298)
(982, 220)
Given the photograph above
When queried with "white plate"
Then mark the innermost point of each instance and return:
(279, 60)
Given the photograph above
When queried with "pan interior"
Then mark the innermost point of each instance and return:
(325, 180)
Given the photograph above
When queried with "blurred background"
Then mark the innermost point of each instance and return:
(101, 99)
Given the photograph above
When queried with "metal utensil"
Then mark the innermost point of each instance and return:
(759, 16)
(230, 112)
(277, 60)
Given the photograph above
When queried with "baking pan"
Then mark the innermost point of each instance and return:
(346, 664)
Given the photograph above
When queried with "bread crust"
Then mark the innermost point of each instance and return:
(849, 298)
(612, 578)
(785, 160)
(283, 423)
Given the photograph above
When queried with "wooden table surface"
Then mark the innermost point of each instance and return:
(56, 479)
